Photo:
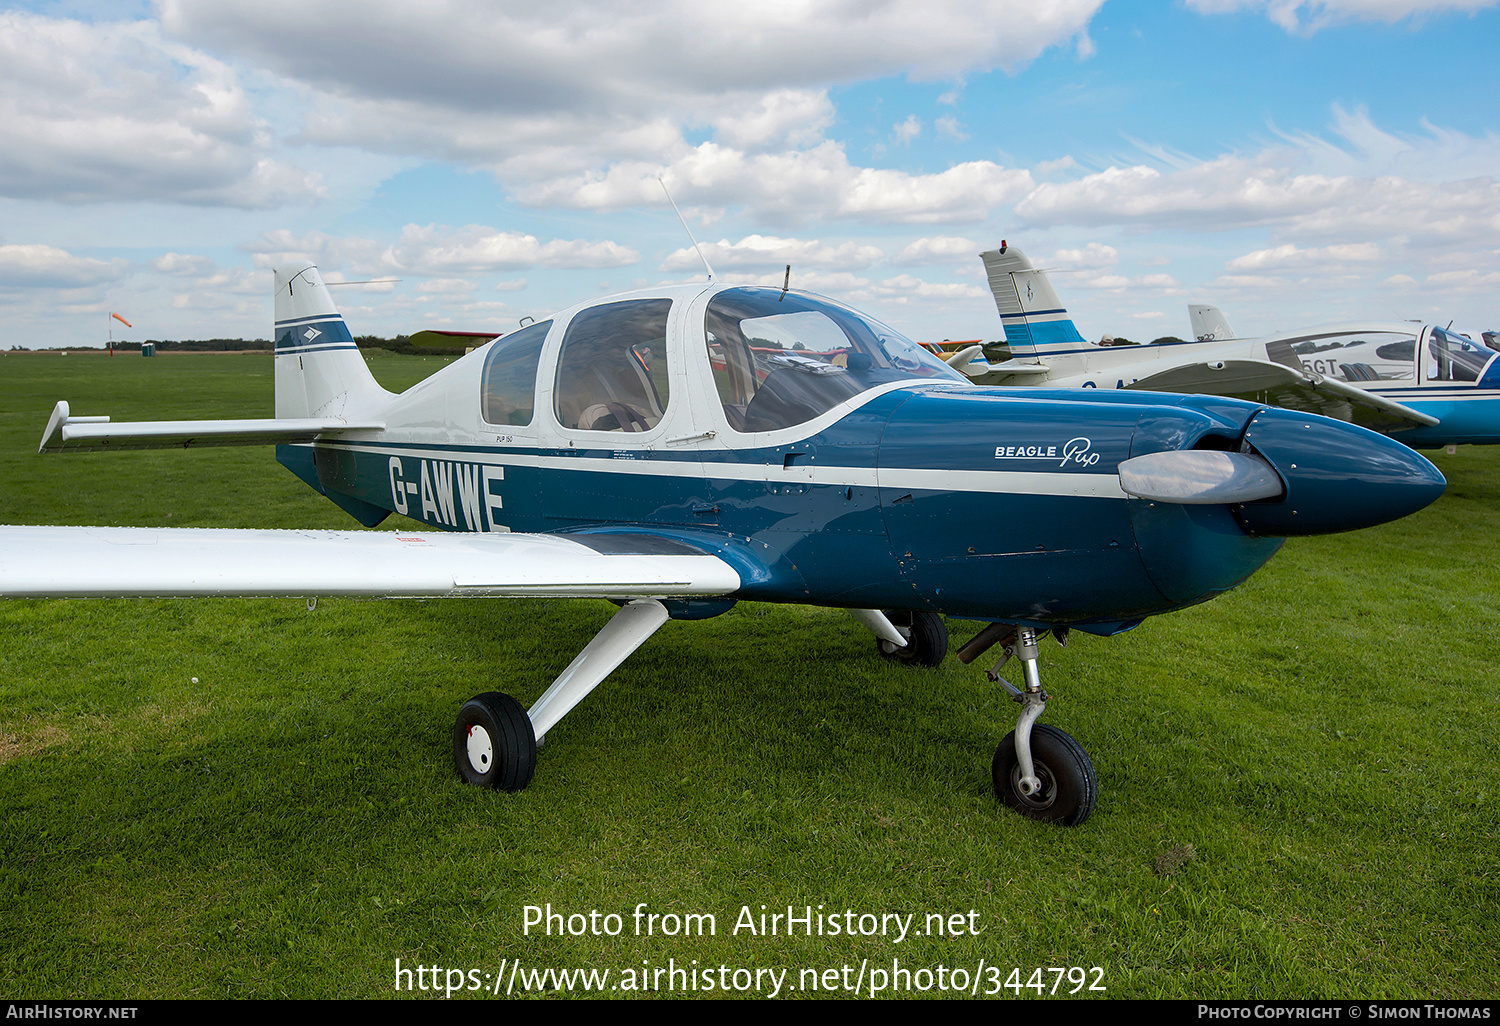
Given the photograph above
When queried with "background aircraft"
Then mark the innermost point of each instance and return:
(678, 449)
(1366, 373)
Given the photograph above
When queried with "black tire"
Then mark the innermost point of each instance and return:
(1069, 786)
(928, 641)
(503, 753)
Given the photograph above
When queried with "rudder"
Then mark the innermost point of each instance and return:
(1035, 321)
(319, 371)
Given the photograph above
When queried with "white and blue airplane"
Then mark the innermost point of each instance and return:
(678, 449)
(1367, 373)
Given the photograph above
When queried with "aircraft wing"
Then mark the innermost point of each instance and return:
(1288, 387)
(66, 433)
(130, 562)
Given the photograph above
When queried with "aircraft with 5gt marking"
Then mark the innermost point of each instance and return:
(1425, 385)
(679, 449)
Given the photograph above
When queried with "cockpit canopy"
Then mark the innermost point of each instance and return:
(1455, 357)
(776, 360)
(780, 359)
(1391, 355)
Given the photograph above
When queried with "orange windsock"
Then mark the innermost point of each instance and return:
(122, 320)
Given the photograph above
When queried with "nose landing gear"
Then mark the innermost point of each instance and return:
(1039, 771)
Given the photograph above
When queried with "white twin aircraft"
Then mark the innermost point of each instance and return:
(1424, 385)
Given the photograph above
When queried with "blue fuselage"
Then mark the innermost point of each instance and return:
(987, 503)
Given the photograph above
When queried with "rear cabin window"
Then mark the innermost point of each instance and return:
(612, 370)
(508, 386)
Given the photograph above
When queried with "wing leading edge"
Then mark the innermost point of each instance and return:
(125, 562)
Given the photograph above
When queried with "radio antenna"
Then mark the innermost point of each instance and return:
(685, 228)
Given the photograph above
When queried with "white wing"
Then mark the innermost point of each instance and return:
(1294, 389)
(126, 562)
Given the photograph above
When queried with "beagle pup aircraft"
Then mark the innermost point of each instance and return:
(1365, 373)
(681, 448)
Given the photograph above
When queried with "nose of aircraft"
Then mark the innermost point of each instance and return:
(1339, 477)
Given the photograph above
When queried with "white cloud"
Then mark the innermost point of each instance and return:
(182, 264)
(906, 285)
(1114, 282)
(794, 117)
(907, 130)
(113, 112)
(41, 266)
(439, 251)
(630, 56)
(1091, 257)
(1468, 281)
(1307, 16)
(770, 251)
(436, 249)
(949, 127)
(794, 187)
(1286, 188)
(447, 286)
(546, 96)
(939, 249)
(1290, 257)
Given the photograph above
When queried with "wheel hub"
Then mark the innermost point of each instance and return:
(1043, 796)
(481, 749)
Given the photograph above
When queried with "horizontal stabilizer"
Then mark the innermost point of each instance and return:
(1200, 477)
(1029, 370)
(125, 562)
(66, 433)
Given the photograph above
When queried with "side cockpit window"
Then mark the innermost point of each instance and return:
(507, 391)
(612, 370)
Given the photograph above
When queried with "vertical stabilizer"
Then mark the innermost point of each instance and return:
(1036, 324)
(319, 372)
(1209, 323)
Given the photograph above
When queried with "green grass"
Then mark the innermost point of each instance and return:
(290, 825)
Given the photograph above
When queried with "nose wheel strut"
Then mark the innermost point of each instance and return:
(1039, 771)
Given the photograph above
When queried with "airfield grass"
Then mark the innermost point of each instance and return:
(1298, 780)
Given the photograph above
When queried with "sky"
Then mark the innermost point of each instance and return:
(1292, 161)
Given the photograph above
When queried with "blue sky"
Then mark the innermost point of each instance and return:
(1294, 162)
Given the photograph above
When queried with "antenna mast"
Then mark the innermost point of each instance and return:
(685, 228)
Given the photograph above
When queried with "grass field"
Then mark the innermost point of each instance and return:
(1299, 780)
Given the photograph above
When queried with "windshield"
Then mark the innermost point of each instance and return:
(780, 359)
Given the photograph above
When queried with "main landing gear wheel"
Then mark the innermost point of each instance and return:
(1069, 786)
(493, 743)
(926, 638)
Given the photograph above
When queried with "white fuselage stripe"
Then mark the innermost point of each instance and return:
(1017, 482)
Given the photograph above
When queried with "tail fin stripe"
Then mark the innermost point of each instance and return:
(1035, 313)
